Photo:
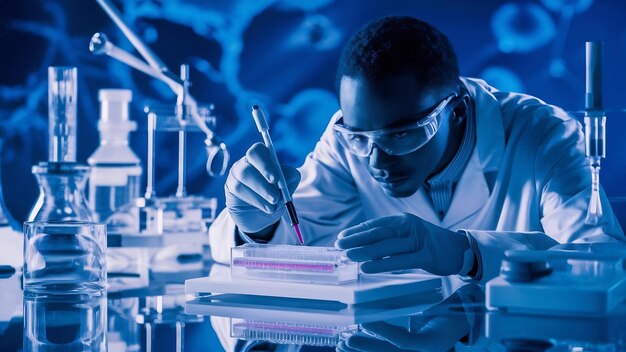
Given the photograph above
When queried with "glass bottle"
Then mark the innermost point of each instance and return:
(115, 169)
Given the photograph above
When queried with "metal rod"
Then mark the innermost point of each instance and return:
(150, 191)
(148, 337)
(100, 44)
(181, 191)
(180, 336)
(143, 49)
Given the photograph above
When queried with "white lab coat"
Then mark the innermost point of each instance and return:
(526, 186)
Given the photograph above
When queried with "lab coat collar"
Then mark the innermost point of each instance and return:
(470, 196)
(489, 126)
(476, 183)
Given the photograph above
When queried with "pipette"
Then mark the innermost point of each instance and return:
(263, 127)
(595, 128)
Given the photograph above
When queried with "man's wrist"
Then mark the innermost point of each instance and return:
(469, 257)
(262, 236)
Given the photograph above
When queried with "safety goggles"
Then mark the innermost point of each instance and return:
(393, 141)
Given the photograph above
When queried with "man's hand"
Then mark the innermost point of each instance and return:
(253, 198)
(403, 242)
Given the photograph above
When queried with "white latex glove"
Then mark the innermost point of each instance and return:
(253, 198)
(403, 242)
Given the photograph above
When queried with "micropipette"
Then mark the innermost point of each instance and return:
(263, 127)
(595, 128)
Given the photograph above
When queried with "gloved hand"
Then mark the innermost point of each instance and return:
(403, 242)
(253, 198)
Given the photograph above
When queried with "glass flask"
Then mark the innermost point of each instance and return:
(61, 193)
(61, 180)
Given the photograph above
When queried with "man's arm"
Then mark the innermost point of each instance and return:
(326, 199)
(562, 183)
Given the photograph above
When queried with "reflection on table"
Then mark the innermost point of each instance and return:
(162, 317)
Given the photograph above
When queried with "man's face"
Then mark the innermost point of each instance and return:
(394, 102)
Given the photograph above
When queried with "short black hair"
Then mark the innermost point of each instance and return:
(398, 45)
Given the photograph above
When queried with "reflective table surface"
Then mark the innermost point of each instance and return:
(161, 317)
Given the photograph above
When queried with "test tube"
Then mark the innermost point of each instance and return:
(62, 84)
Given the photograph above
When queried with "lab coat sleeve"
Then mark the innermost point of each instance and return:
(326, 201)
(562, 184)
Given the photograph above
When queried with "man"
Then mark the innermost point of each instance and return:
(422, 168)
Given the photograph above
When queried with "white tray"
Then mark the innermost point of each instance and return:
(306, 311)
(368, 288)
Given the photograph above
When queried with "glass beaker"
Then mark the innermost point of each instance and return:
(61, 193)
(65, 323)
(64, 258)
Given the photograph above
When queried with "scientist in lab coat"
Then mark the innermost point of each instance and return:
(422, 168)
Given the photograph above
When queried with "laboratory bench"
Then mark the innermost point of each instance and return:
(162, 317)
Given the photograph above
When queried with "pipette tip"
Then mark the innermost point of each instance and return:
(295, 226)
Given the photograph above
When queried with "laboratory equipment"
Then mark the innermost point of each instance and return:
(302, 321)
(65, 323)
(123, 333)
(290, 333)
(264, 129)
(321, 265)
(11, 304)
(61, 180)
(559, 282)
(62, 91)
(115, 170)
(149, 220)
(186, 104)
(167, 309)
(6, 220)
(367, 288)
(64, 258)
(61, 193)
(595, 128)
(11, 256)
(127, 268)
(557, 333)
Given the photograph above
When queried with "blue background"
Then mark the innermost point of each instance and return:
(282, 55)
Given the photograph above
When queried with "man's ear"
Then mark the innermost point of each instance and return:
(460, 110)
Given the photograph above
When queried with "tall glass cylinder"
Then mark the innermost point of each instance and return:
(62, 91)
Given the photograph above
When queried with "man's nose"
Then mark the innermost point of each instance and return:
(379, 159)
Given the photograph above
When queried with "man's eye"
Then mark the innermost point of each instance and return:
(399, 135)
(356, 138)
